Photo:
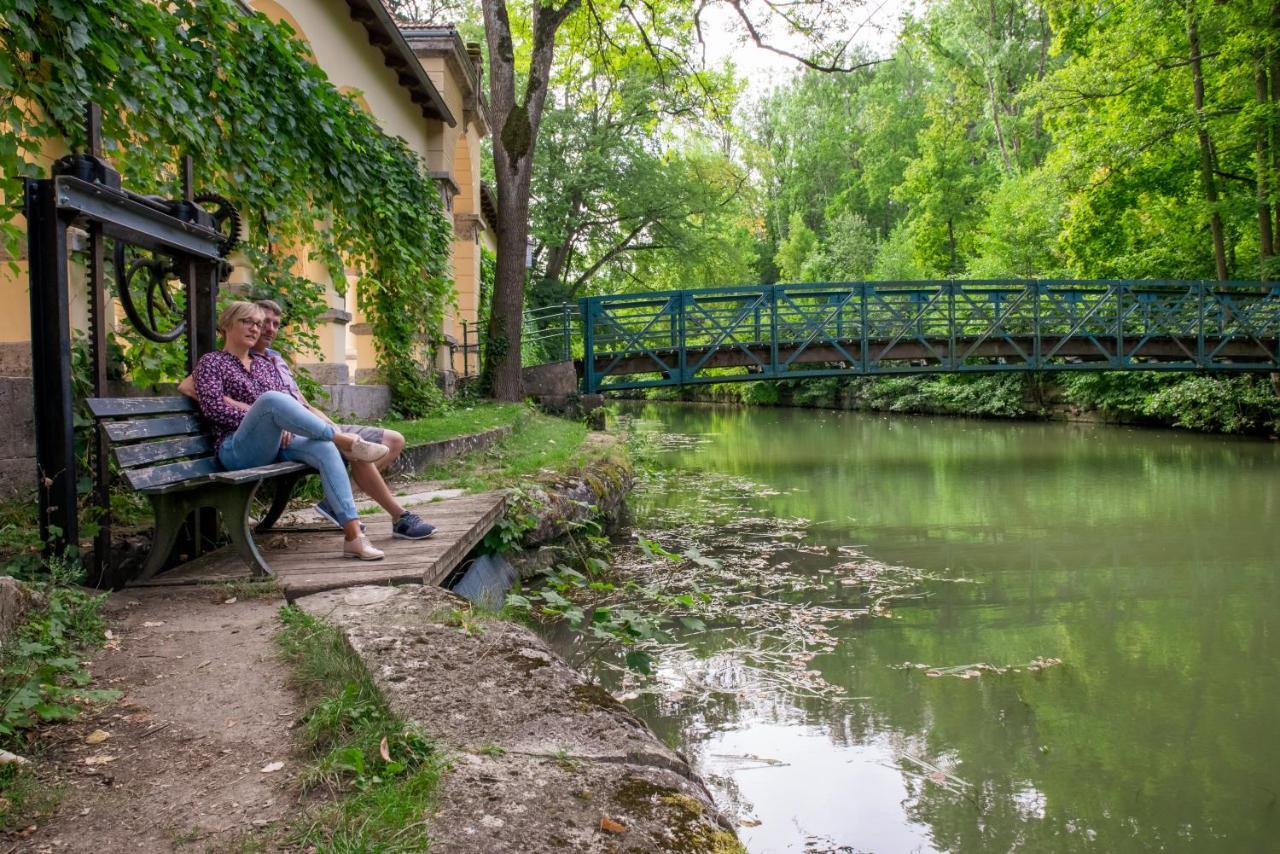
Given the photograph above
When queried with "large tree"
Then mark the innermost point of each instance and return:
(520, 74)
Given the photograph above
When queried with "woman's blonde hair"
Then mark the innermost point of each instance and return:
(235, 311)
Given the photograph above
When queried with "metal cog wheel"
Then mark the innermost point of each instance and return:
(225, 216)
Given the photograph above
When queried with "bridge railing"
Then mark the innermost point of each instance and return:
(547, 334)
(788, 331)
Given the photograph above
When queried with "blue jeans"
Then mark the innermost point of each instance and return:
(256, 442)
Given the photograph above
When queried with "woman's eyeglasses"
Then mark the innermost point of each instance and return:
(253, 324)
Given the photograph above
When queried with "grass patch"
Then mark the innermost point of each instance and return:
(536, 442)
(43, 680)
(243, 589)
(383, 772)
(473, 418)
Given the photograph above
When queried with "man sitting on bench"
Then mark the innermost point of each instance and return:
(367, 476)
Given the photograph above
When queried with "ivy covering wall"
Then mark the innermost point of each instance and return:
(304, 164)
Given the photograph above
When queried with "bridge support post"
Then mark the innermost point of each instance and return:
(586, 309)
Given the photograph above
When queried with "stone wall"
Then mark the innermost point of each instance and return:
(18, 453)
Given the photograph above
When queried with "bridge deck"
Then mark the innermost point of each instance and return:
(309, 560)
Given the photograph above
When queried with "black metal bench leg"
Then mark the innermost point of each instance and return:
(232, 503)
(280, 500)
(170, 512)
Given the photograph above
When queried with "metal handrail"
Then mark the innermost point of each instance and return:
(795, 330)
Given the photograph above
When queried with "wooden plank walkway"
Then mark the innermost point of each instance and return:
(309, 561)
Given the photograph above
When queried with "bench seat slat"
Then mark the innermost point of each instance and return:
(109, 407)
(151, 428)
(149, 478)
(131, 456)
(259, 472)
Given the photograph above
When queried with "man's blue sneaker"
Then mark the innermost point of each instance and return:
(324, 510)
(410, 526)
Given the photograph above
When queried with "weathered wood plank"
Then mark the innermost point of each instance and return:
(108, 407)
(259, 472)
(151, 428)
(156, 476)
(130, 456)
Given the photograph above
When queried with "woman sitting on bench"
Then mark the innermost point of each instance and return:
(255, 422)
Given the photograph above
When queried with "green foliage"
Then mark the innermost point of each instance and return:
(1122, 395)
(847, 253)
(386, 770)
(1244, 404)
(798, 247)
(303, 162)
(633, 191)
(580, 592)
(42, 676)
(519, 518)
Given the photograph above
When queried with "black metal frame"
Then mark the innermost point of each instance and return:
(84, 192)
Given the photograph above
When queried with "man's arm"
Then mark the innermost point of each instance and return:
(188, 387)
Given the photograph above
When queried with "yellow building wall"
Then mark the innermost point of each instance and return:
(341, 47)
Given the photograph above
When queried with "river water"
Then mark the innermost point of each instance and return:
(942, 634)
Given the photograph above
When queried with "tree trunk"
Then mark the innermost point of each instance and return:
(1206, 146)
(1266, 243)
(515, 133)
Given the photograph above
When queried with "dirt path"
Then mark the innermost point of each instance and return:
(205, 709)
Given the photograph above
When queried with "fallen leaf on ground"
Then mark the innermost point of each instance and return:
(99, 760)
(383, 751)
(272, 767)
(7, 758)
(151, 624)
(139, 717)
(610, 825)
(97, 736)
(230, 601)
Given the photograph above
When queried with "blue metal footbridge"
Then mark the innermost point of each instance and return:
(775, 332)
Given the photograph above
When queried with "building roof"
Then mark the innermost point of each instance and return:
(464, 60)
(400, 58)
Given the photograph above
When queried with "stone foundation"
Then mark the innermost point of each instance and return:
(18, 454)
(356, 403)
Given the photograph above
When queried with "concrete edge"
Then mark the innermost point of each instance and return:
(416, 458)
(542, 760)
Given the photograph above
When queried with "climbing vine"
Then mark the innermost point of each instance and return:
(310, 170)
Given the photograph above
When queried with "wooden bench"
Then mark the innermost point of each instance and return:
(165, 452)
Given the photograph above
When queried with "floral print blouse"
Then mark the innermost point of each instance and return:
(221, 374)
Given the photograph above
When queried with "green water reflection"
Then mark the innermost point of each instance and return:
(1146, 561)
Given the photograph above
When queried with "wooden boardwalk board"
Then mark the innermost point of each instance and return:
(309, 561)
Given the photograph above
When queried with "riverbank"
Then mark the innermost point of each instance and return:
(604, 780)
(1243, 404)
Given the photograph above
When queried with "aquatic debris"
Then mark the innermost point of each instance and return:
(972, 671)
(936, 775)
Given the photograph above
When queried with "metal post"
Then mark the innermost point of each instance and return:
(51, 369)
(566, 348)
(98, 345)
(774, 370)
(588, 347)
(466, 353)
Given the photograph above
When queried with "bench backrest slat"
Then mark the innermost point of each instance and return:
(151, 428)
(169, 473)
(131, 456)
(114, 407)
